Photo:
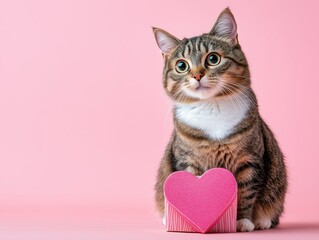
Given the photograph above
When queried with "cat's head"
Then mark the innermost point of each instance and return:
(204, 67)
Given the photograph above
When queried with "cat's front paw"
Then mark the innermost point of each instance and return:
(245, 225)
(262, 223)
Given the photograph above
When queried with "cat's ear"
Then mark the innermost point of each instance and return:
(225, 26)
(165, 41)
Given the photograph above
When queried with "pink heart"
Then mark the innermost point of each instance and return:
(201, 201)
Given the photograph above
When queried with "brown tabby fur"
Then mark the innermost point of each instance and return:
(250, 152)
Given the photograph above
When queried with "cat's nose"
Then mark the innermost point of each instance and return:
(198, 76)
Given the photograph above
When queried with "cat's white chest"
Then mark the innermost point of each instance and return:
(217, 119)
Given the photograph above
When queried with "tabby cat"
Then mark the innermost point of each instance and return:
(217, 124)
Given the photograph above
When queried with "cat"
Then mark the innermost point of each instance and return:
(217, 123)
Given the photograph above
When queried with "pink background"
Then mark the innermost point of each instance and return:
(84, 119)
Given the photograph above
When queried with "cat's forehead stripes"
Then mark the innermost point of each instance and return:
(199, 45)
(192, 46)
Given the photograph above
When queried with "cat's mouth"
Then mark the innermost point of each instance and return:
(201, 87)
(202, 91)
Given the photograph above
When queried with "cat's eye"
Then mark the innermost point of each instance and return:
(213, 59)
(181, 66)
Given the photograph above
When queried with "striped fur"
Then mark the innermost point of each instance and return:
(232, 135)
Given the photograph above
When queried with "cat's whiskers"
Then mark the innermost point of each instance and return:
(226, 90)
(246, 91)
(240, 96)
(177, 94)
(236, 96)
(237, 86)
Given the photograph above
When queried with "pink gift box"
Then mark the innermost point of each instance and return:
(201, 204)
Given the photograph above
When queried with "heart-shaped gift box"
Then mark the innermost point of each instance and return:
(201, 204)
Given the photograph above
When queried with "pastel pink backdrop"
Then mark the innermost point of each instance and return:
(84, 119)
